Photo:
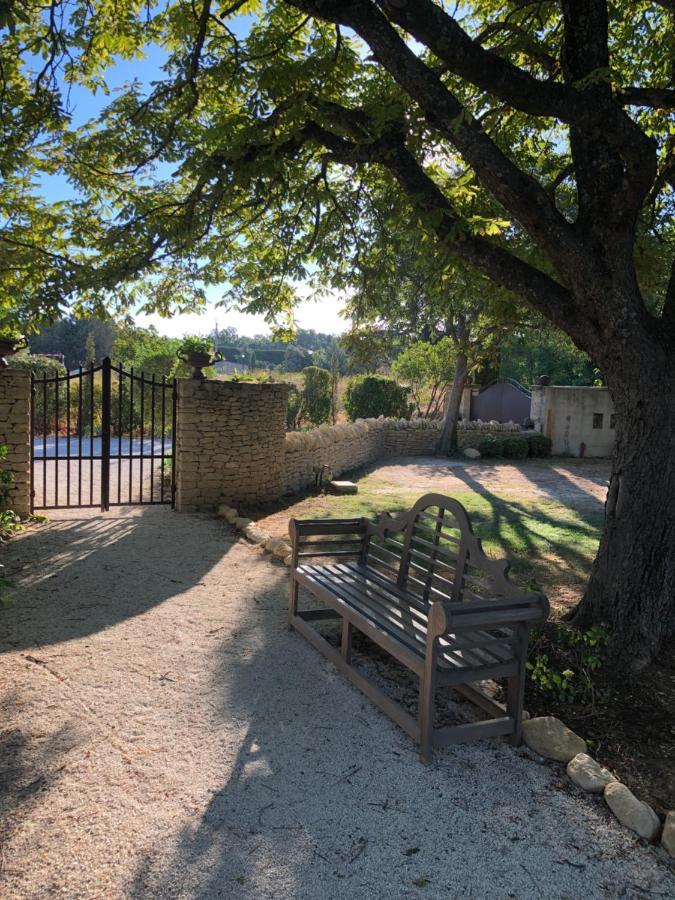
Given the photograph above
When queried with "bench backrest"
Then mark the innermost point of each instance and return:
(432, 552)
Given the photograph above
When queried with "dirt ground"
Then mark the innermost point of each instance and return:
(62, 482)
(163, 735)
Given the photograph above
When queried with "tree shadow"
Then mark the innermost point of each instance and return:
(29, 768)
(322, 796)
(523, 545)
(554, 477)
(533, 535)
(81, 574)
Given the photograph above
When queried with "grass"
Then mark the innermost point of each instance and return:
(547, 542)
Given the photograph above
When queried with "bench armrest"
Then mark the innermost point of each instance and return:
(446, 617)
(343, 537)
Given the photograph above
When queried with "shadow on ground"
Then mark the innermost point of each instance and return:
(104, 557)
(324, 797)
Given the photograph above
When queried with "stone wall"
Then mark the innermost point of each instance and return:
(579, 420)
(229, 443)
(471, 433)
(15, 432)
(351, 446)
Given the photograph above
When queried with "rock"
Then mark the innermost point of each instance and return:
(255, 533)
(471, 453)
(343, 487)
(280, 549)
(588, 774)
(668, 836)
(631, 812)
(551, 738)
(241, 522)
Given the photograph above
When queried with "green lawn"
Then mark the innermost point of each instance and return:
(548, 542)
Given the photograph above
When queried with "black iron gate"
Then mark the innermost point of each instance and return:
(102, 437)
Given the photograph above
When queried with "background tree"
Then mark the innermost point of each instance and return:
(532, 141)
(429, 370)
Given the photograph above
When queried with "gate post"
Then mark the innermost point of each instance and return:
(15, 405)
(106, 387)
(230, 443)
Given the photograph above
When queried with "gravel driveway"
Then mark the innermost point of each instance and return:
(164, 736)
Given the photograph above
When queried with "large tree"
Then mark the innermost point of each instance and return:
(251, 160)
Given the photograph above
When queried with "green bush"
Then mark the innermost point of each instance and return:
(193, 343)
(539, 445)
(293, 409)
(39, 365)
(491, 448)
(515, 448)
(370, 396)
(317, 395)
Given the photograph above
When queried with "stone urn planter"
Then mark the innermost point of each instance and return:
(198, 360)
(9, 346)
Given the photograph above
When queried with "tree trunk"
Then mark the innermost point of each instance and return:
(452, 406)
(632, 584)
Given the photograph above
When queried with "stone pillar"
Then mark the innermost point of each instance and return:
(230, 443)
(538, 407)
(15, 433)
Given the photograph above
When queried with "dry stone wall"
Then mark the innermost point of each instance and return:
(229, 443)
(471, 432)
(15, 433)
(350, 446)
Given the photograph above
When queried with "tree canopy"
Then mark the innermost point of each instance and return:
(256, 158)
(532, 141)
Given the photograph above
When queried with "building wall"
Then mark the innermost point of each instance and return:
(15, 433)
(229, 443)
(575, 416)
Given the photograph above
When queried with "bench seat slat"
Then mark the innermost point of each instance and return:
(405, 616)
(500, 645)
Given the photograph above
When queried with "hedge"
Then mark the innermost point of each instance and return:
(371, 396)
(538, 444)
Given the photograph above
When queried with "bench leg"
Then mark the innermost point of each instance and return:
(515, 690)
(426, 706)
(346, 643)
(292, 602)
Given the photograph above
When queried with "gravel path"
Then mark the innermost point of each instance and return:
(164, 736)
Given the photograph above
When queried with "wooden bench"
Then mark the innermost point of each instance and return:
(421, 587)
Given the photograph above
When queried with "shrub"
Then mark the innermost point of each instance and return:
(491, 448)
(515, 448)
(317, 395)
(192, 343)
(39, 365)
(370, 396)
(538, 444)
(293, 408)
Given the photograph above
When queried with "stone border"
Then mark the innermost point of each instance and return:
(279, 549)
(552, 739)
(547, 736)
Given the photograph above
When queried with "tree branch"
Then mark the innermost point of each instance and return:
(519, 193)
(507, 270)
(656, 98)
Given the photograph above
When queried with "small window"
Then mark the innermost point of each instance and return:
(612, 420)
(597, 420)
